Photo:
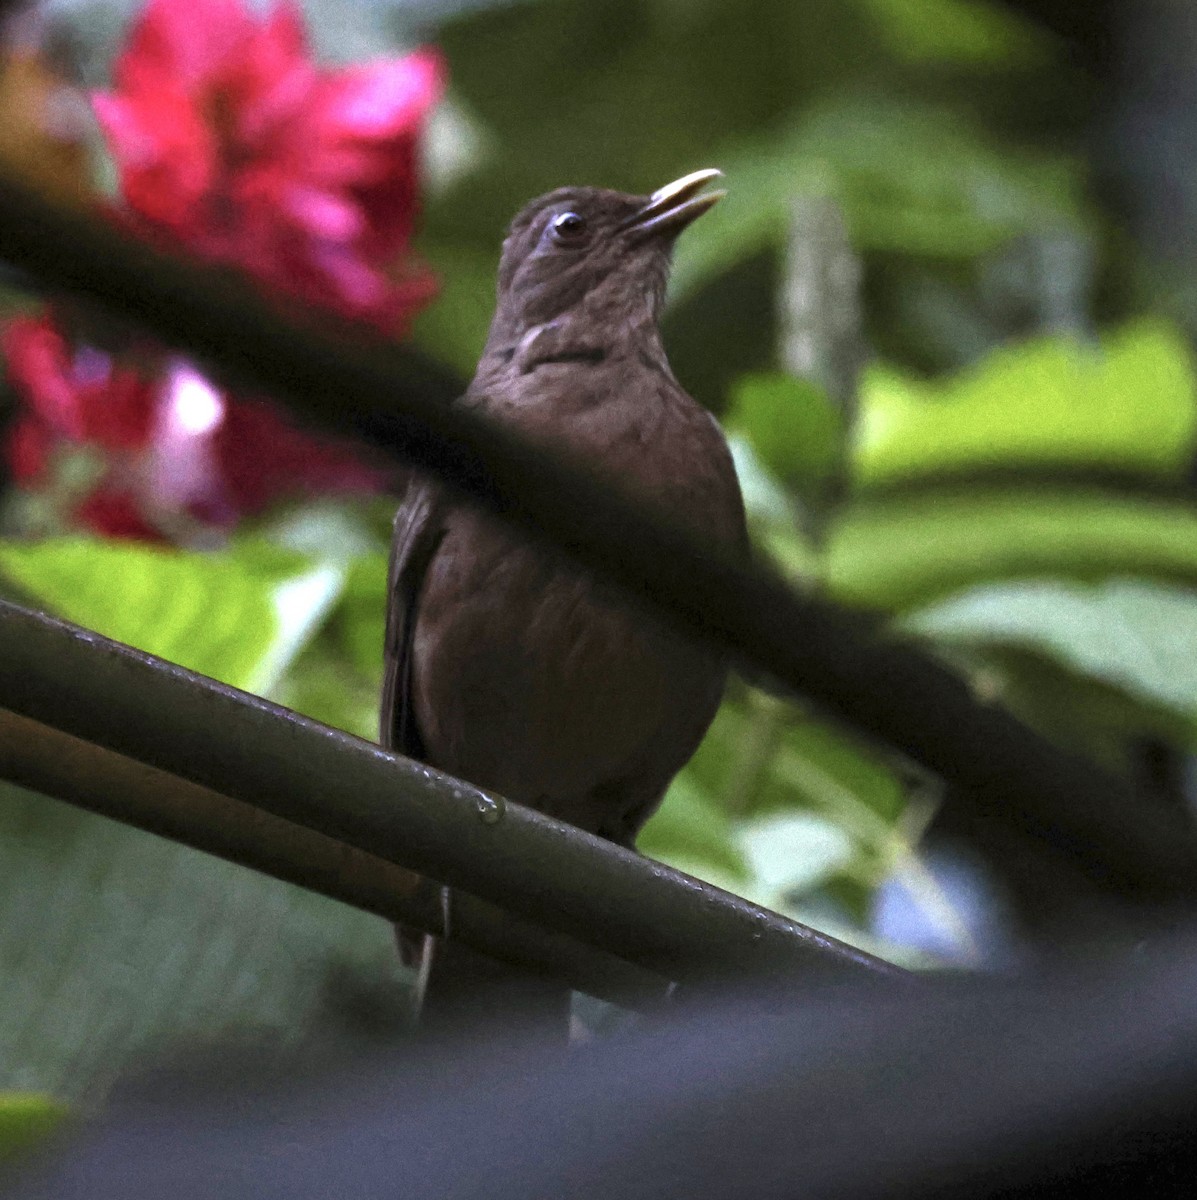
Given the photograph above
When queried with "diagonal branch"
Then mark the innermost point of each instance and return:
(1010, 778)
(330, 783)
(54, 763)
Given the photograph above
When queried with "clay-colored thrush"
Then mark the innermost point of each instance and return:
(506, 664)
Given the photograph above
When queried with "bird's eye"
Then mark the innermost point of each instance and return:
(568, 227)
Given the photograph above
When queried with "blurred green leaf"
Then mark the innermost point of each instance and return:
(239, 616)
(956, 31)
(1079, 711)
(772, 516)
(337, 676)
(911, 178)
(325, 685)
(764, 497)
(713, 770)
(823, 767)
(795, 852)
(800, 805)
(359, 622)
(792, 426)
(1135, 634)
(916, 549)
(455, 325)
(694, 834)
(118, 945)
(27, 1118)
(1131, 405)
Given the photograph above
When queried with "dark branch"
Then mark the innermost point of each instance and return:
(1009, 777)
(56, 764)
(355, 793)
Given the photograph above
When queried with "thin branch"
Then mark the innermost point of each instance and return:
(1011, 779)
(402, 812)
(821, 338)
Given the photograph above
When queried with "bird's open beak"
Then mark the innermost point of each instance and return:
(671, 208)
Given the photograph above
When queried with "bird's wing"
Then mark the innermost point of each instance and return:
(418, 532)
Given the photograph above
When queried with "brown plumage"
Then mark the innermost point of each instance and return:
(506, 664)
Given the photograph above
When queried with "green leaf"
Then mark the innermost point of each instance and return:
(27, 1118)
(965, 32)
(1132, 405)
(791, 853)
(693, 834)
(1136, 634)
(763, 767)
(792, 426)
(911, 179)
(240, 616)
(824, 768)
(909, 551)
(117, 944)
(1081, 712)
(324, 684)
(455, 325)
(359, 622)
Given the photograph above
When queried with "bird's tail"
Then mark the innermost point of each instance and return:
(459, 988)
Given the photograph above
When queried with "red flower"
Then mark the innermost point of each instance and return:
(69, 397)
(263, 456)
(232, 142)
(173, 454)
(115, 514)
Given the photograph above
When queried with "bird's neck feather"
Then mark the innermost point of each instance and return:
(597, 329)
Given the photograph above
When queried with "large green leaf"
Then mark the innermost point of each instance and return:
(956, 31)
(239, 616)
(1131, 405)
(336, 678)
(904, 552)
(777, 803)
(1136, 634)
(360, 619)
(324, 684)
(822, 767)
(792, 853)
(1074, 708)
(117, 944)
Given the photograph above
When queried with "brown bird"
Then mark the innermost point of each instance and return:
(506, 664)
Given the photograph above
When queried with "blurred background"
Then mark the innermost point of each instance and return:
(945, 314)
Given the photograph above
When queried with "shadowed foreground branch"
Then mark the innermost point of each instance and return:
(56, 764)
(330, 783)
(1007, 779)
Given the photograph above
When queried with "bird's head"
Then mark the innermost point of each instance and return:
(588, 249)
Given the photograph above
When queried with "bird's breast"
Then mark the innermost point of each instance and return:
(528, 675)
(531, 679)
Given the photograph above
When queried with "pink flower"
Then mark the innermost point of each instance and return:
(233, 143)
(84, 398)
(173, 455)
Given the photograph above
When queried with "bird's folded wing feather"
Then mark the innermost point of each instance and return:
(418, 532)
